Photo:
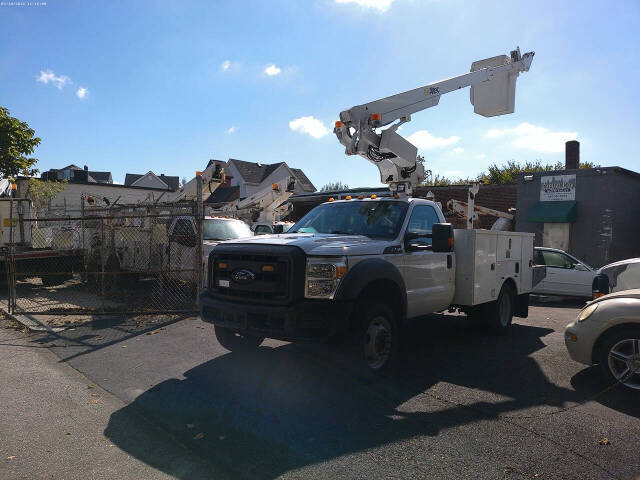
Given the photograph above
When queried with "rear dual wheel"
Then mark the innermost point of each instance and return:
(497, 315)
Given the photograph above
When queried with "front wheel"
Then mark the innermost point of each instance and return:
(620, 357)
(379, 338)
(234, 341)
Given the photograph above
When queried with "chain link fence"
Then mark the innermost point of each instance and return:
(145, 258)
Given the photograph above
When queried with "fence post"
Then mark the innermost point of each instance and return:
(11, 304)
(102, 262)
(199, 221)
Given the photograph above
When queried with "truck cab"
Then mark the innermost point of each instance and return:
(363, 266)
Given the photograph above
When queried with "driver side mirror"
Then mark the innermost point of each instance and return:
(580, 268)
(600, 286)
(442, 234)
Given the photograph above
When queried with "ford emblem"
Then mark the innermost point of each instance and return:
(243, 276)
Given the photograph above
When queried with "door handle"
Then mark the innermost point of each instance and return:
(449, 261)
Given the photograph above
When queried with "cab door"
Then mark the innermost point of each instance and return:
(429, 277)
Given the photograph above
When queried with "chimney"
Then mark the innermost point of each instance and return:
(572, 155)
(86, 169)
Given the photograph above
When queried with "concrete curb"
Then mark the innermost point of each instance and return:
(31, 323)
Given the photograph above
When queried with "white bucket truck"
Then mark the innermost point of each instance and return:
(368, 265)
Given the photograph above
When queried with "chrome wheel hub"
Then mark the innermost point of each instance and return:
(624, 362)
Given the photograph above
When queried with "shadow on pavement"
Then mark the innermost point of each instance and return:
(277, 409)
(101, 332)
(591, 383)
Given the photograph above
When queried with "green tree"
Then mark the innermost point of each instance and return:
(41, 192)
(507, 173)
(333, 186)
(438, 180)
(17, 143)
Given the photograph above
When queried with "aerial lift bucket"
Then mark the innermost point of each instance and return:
(496, 96)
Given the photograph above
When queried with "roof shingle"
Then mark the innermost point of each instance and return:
(254, 172)
(224, 195)
(303, 181)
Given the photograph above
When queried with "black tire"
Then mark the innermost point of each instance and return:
(237, 342)
(379, 338)
(498, 315)
(621, 342)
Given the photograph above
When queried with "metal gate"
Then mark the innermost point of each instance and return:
(143, 258)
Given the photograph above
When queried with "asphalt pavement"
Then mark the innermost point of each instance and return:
(466, 404)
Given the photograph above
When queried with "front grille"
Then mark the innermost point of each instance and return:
(275, 286)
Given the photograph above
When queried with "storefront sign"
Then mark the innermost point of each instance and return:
(555, 188)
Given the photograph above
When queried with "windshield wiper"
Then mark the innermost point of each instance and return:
(340, 232)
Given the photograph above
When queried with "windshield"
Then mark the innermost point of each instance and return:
(372, 219)
(216, 229)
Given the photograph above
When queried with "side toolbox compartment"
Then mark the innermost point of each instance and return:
(485, 259)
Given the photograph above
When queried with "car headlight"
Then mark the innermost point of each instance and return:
(323, 276)
(587, 312)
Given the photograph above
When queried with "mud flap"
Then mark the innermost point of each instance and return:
(521, 307)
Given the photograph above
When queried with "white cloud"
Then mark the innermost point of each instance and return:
(272, 70)
(457, 150)
(82, 93)
(481, 156)
(231, 129)
(309, 125)
(48, 76)
(532, 137)
(380, 5)
(226, 65)
(424, 140)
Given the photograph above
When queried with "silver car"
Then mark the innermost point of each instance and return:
(607, 332)
(566, 275)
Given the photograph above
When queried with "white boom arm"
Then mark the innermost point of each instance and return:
(492, 83)
(212, 178)
(262, 206)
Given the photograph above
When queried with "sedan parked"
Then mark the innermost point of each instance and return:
(566, 275)
(607, 333)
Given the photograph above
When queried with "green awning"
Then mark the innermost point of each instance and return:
(553, 212)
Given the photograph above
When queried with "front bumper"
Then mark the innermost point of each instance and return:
(579, 342)
(304, 320)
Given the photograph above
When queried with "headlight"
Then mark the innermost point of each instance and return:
(323, 276)
(587, 312)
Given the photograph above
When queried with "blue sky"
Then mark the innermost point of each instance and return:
(164, 86)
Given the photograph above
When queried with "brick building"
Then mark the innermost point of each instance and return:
(496, 197)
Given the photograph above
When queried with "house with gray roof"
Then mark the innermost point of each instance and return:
(151, 180)
(251, 177)
(74, 174)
